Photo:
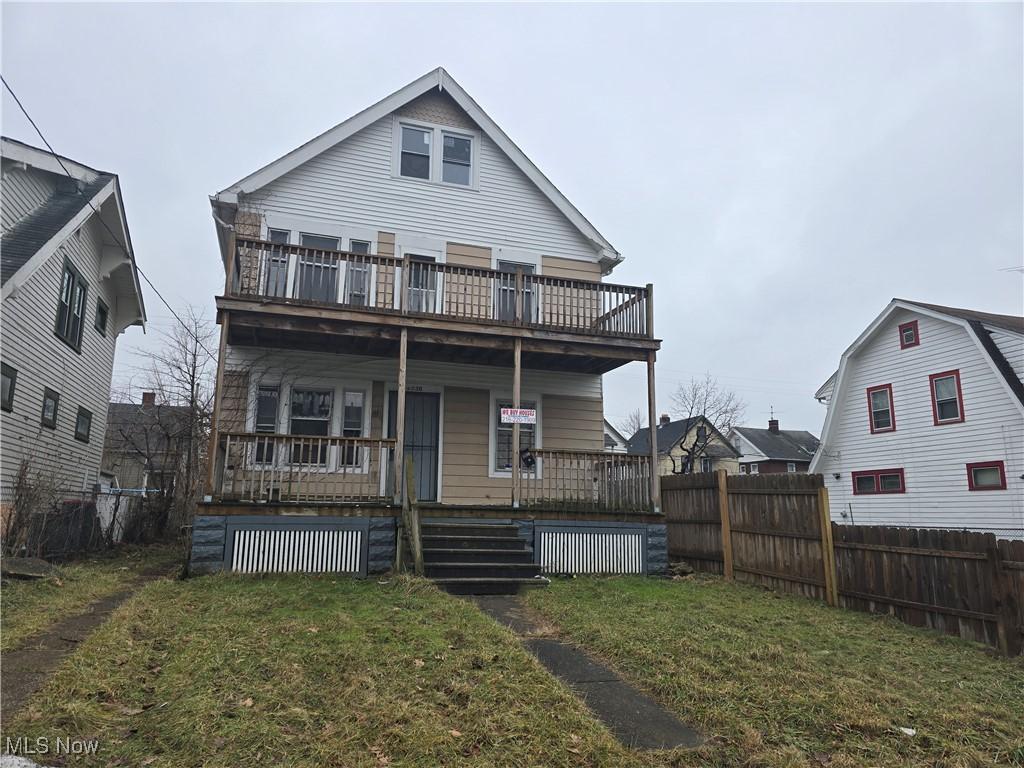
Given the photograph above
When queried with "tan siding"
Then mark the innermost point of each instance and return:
(439, 108)
(234, 404)
(553, 266)
(385, 243)
(469, 255)
(464, 474)
(468, 295)
(572, 423)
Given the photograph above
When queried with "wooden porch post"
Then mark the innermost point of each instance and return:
(399, 473)
(517, 356)
(652, 426)
(218, 396)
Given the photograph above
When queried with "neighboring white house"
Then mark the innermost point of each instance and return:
(614, 442)
(925, 423)
(70, 287)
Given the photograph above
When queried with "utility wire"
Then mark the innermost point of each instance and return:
(99, 218)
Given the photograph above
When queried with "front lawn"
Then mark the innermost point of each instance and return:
(28, 607)
(784, 681)
(305, 671)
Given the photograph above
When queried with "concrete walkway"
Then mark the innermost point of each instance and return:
(637, 720)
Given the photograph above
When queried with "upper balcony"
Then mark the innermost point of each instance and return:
(428, 296)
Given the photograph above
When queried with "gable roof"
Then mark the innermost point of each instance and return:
(442, 81)
(24, 239)
(81, 192)
(612, 436)
(144, 433)
(671, 434)
(978, 326)
(784, 445)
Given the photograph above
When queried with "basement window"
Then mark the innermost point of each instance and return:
(986, 476)
(877, 481)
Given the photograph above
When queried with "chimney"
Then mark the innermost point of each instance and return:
(665, 419)
(773, 426)
(148, 398)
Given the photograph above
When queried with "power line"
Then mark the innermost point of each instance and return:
(99, 218)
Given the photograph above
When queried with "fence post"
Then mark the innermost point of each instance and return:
(828, 553)
(1007, 632)
(721, 479)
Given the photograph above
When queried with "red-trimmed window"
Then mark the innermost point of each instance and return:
(947, 397)
(881, 414)
(874, 481)
(986, 476)
(909, 335)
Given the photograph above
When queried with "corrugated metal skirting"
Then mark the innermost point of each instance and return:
(581, 552)
(297, 551)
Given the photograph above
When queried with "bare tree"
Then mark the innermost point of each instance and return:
(632, 423)
(721, 408)
(169, 437)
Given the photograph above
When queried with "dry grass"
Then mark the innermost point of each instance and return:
(783, 681)
(302, 671)
(27, 607)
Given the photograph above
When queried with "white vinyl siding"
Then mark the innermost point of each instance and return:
(354, 182)
(29, 344)
(933, 458)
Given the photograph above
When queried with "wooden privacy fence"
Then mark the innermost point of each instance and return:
(775, 531)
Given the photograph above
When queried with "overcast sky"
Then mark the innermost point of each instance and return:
(778, 171)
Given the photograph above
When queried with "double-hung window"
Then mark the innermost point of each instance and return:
(706, 464)
(310, 418)
(503, 453)
(10, 378)
(265, 423)
(880, 409)
(456, 159)
(102, 315)
(275, 269)
(317, 275)
(947, 397)
(357, 275)
(986, 476)
(83, 425)
(353, 403)
(51, 401)
(71, 307)
(874, 481)
(415, 159)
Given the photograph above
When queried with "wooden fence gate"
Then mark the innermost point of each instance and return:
(775, 530)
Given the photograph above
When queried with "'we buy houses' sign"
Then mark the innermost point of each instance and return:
(518, 415)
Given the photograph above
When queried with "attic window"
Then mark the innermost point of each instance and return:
(909, 336)
(457, 154)
(415, 162)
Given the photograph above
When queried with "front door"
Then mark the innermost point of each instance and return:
(422, 420)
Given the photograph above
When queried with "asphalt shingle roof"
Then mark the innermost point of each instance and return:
(784, 445)
(1006, 322)
(25, 238)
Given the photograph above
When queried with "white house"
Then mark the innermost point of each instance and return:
(925, 423)
(614, 442)
(70, 288)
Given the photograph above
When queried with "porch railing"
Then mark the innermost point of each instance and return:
(587, 480)
(425, 288)
(265, 467)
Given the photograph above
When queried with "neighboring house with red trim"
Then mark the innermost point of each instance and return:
(925, 423)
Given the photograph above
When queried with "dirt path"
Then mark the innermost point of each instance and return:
(26, 669)
(637, 720)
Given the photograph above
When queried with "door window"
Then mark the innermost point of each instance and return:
(505, 295)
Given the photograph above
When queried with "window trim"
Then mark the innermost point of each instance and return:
(917, 334)
(49, 394)
(972, 486)
(877, 475)
(12, 373)
(754, 468)
(790, 464)
(101, 305)
(77, 279)
(710, 462)
(871, 410)
(88, 431)
(436, 176)
(935, 403)
(492, 433)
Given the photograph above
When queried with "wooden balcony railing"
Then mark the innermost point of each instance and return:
(421, 288)
(588, 481)
(265, 467)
